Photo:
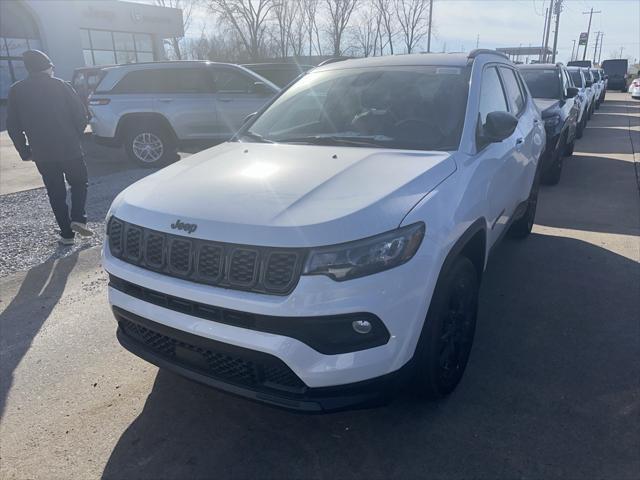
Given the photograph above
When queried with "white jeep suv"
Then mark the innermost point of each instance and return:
(333, 250)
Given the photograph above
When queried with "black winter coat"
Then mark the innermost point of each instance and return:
(45, 119)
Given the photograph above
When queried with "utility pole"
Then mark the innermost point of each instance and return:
(584, 55)
(430, 21)
(555, 35)
(595, 49)
(573, 49)
(600, 54)
(478, 41)
(546, 35)
(621, 49)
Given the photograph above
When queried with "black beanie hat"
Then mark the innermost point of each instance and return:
(36, 61)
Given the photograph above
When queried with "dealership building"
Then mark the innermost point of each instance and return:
(77, 33)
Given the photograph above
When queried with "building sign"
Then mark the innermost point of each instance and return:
(584, 38)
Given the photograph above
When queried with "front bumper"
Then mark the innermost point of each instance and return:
(244, 372)
(398, 297)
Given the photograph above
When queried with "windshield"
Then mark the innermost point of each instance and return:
(420, 108)
(576, 77)
(542, 83)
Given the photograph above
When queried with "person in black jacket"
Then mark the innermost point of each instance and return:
(46, 120)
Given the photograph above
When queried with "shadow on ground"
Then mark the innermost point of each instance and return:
(39, 292)
(551, 391)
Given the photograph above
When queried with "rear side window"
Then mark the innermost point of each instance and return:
(228, 80)
(516, 99)
(184, 80)
(542, 82)
(166, 81)
(492, 97)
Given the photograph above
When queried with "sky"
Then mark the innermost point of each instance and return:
(509, 23)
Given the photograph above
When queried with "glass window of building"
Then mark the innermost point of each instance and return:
(18, 32)
(101, 47)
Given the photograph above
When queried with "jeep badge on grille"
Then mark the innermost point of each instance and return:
(187, 227)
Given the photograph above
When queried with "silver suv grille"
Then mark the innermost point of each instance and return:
(258, 269)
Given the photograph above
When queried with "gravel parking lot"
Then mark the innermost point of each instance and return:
(551, 390)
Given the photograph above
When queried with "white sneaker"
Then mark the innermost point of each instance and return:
(81, 229)
(66, 241)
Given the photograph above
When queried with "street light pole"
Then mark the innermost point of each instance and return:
(595, 49)
(573, 49)
(555, 35)
(546, 34)
(584, 55)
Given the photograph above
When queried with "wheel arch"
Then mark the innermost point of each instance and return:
(137, 118)
(471, 244)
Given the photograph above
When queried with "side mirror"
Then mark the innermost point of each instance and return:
(606, 77)
(261, 88)
(498, 126)
(249, 117)
(589, 83)
(572, 92)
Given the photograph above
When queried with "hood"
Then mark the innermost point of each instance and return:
(546, 105)
(285, 195)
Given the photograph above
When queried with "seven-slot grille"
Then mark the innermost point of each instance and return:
(258, 269)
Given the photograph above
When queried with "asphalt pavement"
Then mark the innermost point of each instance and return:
(552, 389)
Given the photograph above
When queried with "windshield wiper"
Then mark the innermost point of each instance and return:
(255, 136)
(354, 140)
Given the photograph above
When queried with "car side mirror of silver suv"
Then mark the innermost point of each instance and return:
(497, 127)
(572, 92)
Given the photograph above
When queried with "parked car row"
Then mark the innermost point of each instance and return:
(567, 98)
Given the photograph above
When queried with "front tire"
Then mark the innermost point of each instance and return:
(447, 335)
(150, 145)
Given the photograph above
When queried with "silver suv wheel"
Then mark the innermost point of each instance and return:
(147, 147)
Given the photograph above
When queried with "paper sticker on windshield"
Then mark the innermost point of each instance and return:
(447, 71)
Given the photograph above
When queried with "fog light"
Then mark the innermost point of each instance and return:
(361, 326)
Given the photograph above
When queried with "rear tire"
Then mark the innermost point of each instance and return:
(551, 175)
(447, 335)
(522, 227)
(582, 126)
(568, 150)
(150, 144)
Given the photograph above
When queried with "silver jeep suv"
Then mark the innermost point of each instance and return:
(152, 108)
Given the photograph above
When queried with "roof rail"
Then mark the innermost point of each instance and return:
(480, 51)
(332, 60)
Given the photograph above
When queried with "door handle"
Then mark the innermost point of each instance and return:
(165, 100)
(519, 143)
(225, 100)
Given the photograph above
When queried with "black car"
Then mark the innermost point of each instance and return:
(282, 74)
(555, 96)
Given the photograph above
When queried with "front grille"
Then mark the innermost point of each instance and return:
(258, 269)
(242, 367)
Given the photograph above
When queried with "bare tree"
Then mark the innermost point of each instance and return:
(298, 31)
(339, 15)
(247, 19)
(388, 20)
(284, 12)
(368, 32)
(187, 7)
(413, 17)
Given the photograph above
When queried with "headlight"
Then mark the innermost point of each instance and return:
(552, 122)
(367, 256)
